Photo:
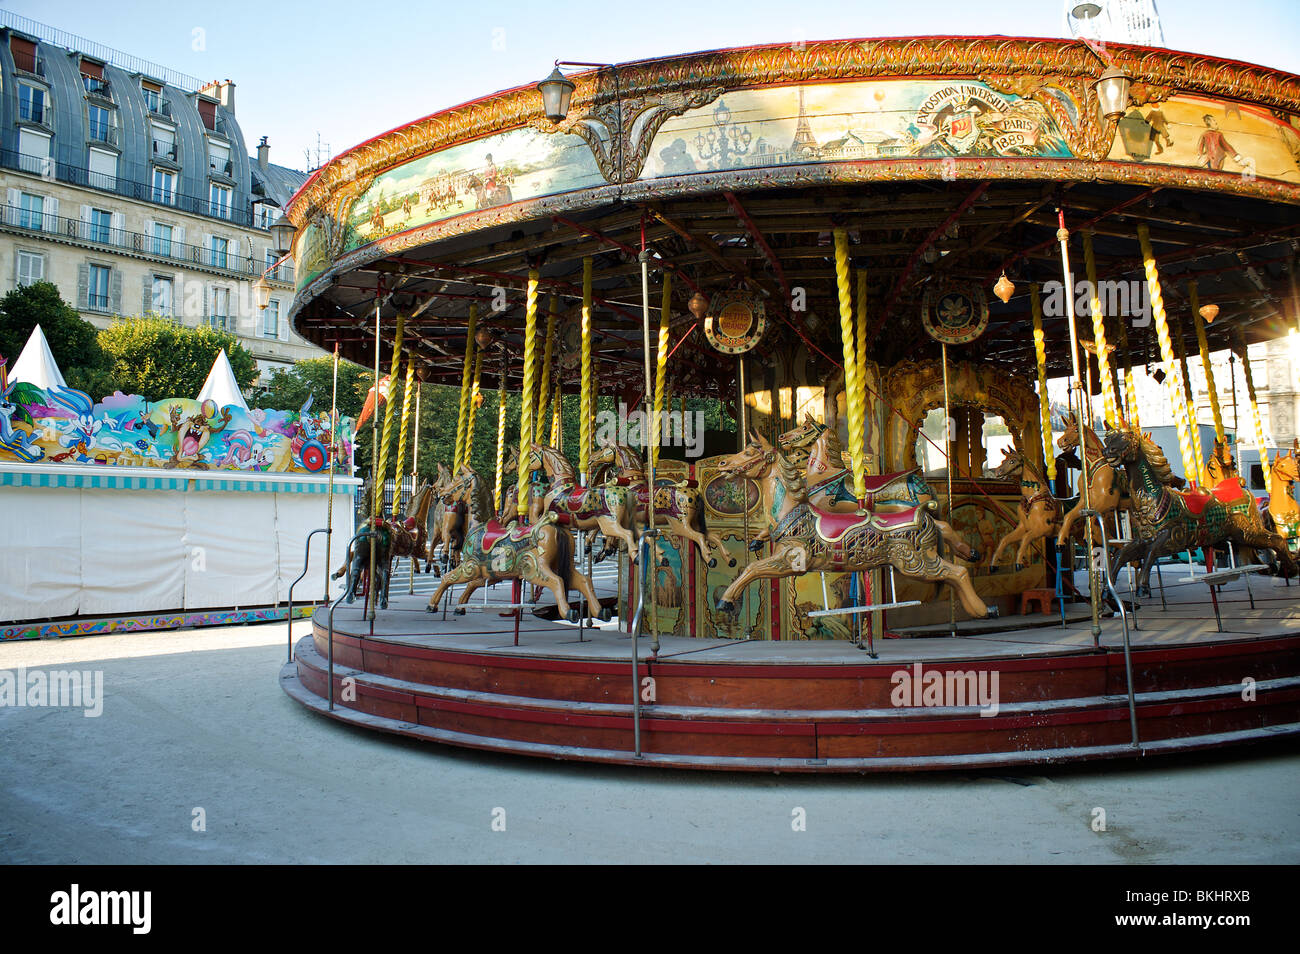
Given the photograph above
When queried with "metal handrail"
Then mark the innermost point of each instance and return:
(306, 561)
(638, 620)
(1090, 514)
(347, 557)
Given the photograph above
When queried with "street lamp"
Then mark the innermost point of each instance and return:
(282, 232)
(557, 91)
(1112, 92)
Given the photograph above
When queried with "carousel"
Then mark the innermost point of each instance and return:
(866, 259)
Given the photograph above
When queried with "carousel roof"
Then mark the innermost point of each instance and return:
(945, 160)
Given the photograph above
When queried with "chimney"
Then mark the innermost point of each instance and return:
(263, 153)
(226, 94)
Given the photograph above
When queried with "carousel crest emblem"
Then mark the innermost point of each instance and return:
(955, 313)
(736, 322)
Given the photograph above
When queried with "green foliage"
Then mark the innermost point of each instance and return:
(72, 340)
(158, 359)
(288, 389)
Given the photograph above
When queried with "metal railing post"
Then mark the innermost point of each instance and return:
(1090, 514)
(333, 606)
(638, 618)
(306, 560)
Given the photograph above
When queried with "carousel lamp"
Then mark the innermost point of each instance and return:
(1004, 288)
(263, 292)
(1209, 313)
(557, 91)
(282, 232)
(484, 338)
(1085, 11)
(1112, 92)
(698, 306)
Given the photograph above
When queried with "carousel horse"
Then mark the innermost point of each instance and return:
(1168, 521)
(409, 534)
(540, 553)
(1106, 484)
(678, 505)
(608, 508)
(829, 484)
(805, 539)
(1283, 511)
(379, 534)
(1040, 512)
(445, 523)
(1222, 465)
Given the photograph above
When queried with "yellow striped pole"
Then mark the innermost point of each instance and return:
(1194, 297)
(458, 457)
(661, 367)
(544, 389)
(526, 416)
(501, 433)
(467, 452)
(1255, 416)
(1104, 371)
(390, 418)
(1130, 389)
(1044, 402)
(585, 409)
(408, 392)
(852, 387)
(557, 436)
(861, 363)
(1190, 468)
(1181, 351)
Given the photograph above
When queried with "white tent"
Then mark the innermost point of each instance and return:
(220, 385)
(36, 364)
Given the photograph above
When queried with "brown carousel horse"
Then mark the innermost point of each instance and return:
(805, 539)
(1040, 512)
(678, 505)
(446, 522)
(609, 509)
(829, 484)
(1222, 465)
(540, 553)
(1107, 486)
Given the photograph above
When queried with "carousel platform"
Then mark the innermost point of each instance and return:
(1039, 693)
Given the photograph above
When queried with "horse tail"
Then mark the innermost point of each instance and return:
(564, 547)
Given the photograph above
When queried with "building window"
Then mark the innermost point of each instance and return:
(164, 142)
(164, 186)
(162, 239)
(99, 123)
(103, 169)
(219, 158)
(31, 268)
(31, 105)
(31, 211)
(101, 226)
(161, 296)
(271, 319)
(219, 201)
(220, 315)
(272, 259)
(34, 151)
(97, 296)
(219, 249)
(152, 99)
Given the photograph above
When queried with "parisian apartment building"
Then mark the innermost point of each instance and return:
(129, 186)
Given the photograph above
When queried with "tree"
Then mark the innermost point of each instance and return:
(72, 340)
(288, 389)
(157, 359)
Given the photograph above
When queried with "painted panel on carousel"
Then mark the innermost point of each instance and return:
(852, 122)
(1210, 134)
(495, 170)
(734, 513)
(64, 425)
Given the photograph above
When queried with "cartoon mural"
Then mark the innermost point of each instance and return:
(1210, 134)
(64, 425)
(849, 122)
(492, 171)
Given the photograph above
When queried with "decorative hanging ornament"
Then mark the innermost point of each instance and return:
(484, 338)
(1005, 288)
(698, 306)
(1209, 313)
(955, 313)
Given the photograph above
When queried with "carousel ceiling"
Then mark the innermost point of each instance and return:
(936, 181)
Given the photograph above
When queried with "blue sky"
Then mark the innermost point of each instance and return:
(347, 70)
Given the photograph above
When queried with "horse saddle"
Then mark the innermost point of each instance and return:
(831, 526)
(1194, 500)
(1229, 490)
(493, 531)
(878, 482)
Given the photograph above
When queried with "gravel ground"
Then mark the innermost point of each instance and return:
(196, 720)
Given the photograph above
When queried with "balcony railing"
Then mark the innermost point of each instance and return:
(221, 167)
(100, 131)
(128, 188)
(164, 150)
(96, 86)
(159, 106)
(40, 113)
(154, 246)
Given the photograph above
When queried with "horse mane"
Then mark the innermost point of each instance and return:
(791, 473)
(1156, 458)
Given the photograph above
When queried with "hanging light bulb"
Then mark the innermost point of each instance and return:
(1209, 313)
(698, 305)
(1004, 288)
